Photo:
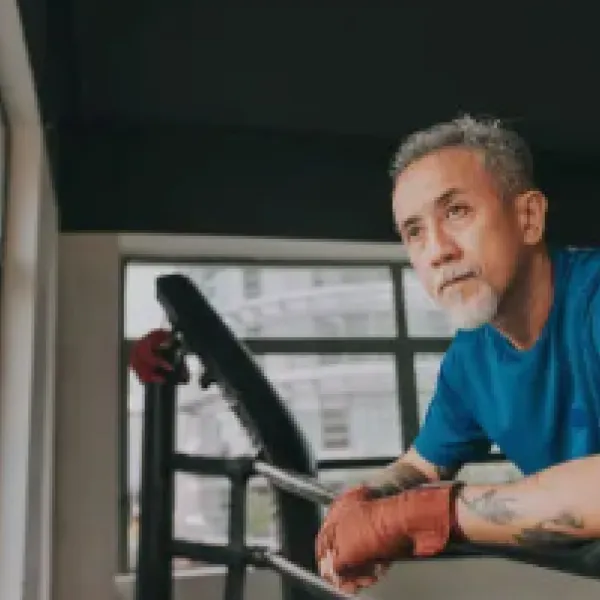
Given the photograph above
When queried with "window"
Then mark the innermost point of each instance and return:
(283, 300)
(327, 337)
(423, 318)
(261, 521)
(427, 367)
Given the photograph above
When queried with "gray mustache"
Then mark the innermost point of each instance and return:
(451, 275)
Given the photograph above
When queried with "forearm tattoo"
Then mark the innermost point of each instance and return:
(565, 529)
(398, 477)
(491, 507)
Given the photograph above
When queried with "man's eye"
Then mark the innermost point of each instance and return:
(457, 210)
(412, 231)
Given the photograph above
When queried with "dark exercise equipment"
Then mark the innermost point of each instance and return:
(284, 458)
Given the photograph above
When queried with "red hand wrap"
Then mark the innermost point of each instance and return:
(415, 522)
(145, 359)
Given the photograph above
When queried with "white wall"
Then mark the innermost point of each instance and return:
(27, 307)
(85, 552)
(87, 437)
(27, 375)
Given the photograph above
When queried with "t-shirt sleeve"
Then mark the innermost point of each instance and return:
(594, 318)
(450, 435)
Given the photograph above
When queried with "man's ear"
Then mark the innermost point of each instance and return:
(531, 208)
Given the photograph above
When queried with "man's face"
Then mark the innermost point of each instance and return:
(462, 237)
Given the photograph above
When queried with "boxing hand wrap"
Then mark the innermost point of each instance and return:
(428, 518)
(415, 522)
(349, 496)
(148, 362)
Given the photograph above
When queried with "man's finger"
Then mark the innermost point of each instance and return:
(354, 584)
(327, 572)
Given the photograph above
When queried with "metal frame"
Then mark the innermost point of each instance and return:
(284, 263)
(401, 347)
(405, 365)
(123, 438)
(157, 544)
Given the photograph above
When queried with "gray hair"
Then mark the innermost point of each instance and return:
(505, 154)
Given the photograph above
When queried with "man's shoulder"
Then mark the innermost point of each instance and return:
(578, 273)
(467, 347)
(576, 262)
(467, 340)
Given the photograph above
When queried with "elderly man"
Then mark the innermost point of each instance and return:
(523, 371)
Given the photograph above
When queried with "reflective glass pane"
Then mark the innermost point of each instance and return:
(346, 404)
(201, 514)
(424, 318)
(427, 367)
(273, 302)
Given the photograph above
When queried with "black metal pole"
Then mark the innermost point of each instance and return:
(154, 564)
(236, 570)
(301, 578)
(215, 554)
(301, 486)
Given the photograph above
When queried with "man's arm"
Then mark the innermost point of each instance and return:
(409, 471)
(558, 506)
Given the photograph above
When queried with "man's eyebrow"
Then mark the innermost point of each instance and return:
(409, 223)
(446, 196)
(439, 200)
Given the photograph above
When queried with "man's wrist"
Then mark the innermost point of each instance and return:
(394, 479)
(456, 532)
(428, 516)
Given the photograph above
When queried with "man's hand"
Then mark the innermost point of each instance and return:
(351, 580)
(408, 472)
(362, 533)
(147, 359)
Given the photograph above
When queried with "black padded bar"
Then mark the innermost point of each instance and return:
(256, 402)
(582, 559)
(154, 576)
(212, 465)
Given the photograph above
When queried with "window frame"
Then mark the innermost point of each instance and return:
(403, 348)
(4, 177)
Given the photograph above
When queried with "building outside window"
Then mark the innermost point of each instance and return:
(335, 422)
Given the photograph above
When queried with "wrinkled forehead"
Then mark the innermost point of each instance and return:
(433, 176)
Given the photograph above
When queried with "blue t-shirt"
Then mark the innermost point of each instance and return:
(541, 406)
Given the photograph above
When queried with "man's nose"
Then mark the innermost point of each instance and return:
(441, 247)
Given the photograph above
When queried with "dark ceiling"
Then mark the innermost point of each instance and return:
(279, 118)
